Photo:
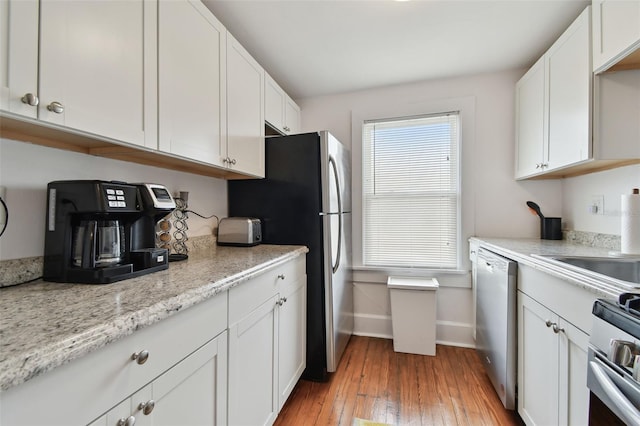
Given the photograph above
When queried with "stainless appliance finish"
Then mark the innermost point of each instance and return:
(613, 362)
(305, 199)
(239, 231)
(496, 322)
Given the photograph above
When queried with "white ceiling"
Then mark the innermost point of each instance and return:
(320, 47)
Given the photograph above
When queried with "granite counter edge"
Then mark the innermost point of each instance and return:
(26, 366)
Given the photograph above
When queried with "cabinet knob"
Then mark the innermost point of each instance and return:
(140, 357)
(147, 407)
(56, 107)
(286, 129)
(538, 166)
(30, 99)
(128, 421)
(233, 161)
(556, 329)
(281, 277)
(548, 323)
(284, 300)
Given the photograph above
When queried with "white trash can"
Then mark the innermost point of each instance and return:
(413, 314)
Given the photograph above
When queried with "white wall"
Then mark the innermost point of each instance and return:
(500, 209)
(578, 192)
(25, 170)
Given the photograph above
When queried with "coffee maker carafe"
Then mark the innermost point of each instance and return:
(100, 232)
(98, 243)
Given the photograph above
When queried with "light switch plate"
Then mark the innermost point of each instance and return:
(597, 204)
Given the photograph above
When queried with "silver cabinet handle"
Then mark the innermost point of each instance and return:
(233, 161)
(284, 300)
(140, 357)
(228, 160)
(554, 326)
(56, 107)
(281, 277)
(538, 165)
(279, 302)
(286, 129)
(129, 421)
(30, 99)
(147, 407)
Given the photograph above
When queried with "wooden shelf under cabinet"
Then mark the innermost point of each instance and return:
(41, 134)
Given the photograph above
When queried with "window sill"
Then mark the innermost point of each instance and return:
(446, 277)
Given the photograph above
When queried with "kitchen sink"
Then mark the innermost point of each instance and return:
(624, 270)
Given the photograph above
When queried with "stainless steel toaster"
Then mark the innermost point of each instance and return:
(239, 231)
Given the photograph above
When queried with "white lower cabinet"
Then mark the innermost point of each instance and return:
(252, 350)
(191, 393)
(171, 355)
(267, 341)
(292, 342)
(552, 367)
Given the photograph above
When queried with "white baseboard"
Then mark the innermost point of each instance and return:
(448, 333)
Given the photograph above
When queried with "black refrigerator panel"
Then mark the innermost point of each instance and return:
(288, 202)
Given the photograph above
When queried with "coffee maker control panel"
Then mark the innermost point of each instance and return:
(115, 197)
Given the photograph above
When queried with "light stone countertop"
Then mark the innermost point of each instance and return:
(44, 325)
(521, 250)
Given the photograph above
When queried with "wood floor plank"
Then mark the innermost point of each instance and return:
(375, 383)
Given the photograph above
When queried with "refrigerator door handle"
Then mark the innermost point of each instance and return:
(334, 168)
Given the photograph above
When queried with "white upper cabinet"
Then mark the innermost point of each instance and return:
(245, 111)
(553, 105)
(191, 49)
(531, 121)
(281, 112)
(569, 91)
(97, 68)
(616, 33)
(19, 57)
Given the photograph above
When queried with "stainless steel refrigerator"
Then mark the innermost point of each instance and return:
(305, 199)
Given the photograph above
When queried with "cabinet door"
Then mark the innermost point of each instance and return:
(531, 121)
(98, 69)
(538, 366)
(245, 111)
(574, 393)
(274, 102)
(191, 49)
(193, 392)
(616, 31)
(569, 77)
(253, 347)
(292, 340)
(18, 56)
(292, 116)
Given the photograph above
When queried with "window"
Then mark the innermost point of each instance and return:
(411, 192)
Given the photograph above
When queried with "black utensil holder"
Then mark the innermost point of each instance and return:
(551, 228)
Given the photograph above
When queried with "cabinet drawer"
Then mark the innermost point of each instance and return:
(79, 391)
(248, 296)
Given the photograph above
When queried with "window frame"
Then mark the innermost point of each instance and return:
(465, 106)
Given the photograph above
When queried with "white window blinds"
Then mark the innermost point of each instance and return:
(410, 192)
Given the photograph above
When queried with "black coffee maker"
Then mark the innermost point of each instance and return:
(100, 232)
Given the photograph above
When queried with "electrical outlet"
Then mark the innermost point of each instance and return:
(597, 204)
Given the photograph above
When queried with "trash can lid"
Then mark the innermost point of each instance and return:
(412, 283)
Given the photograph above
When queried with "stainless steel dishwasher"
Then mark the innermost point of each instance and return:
(496, 322)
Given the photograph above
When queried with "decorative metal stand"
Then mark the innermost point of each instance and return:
(180, 224)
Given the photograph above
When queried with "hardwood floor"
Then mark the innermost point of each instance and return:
(377, 384)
